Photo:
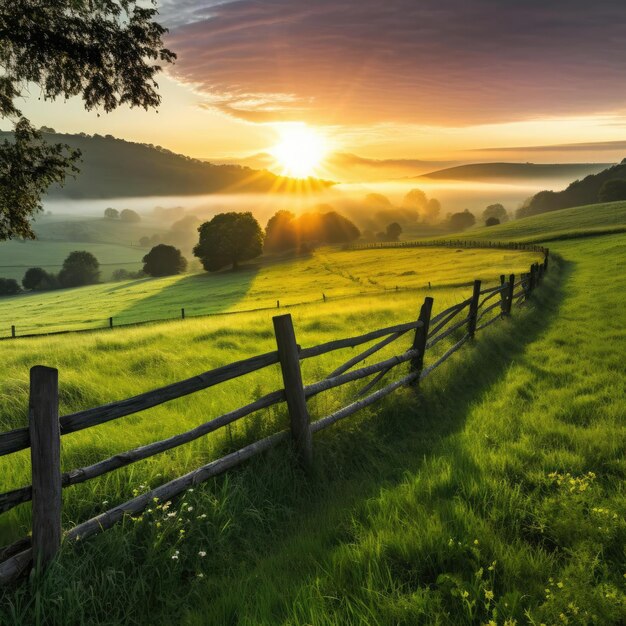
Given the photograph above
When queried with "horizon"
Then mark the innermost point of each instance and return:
(438, 83)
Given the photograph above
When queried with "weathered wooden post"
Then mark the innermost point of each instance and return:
(13, 332)
(182, 314)
(509, 294)
(324, 297)
(110, 322)
(278, 304)
(45, 454)
(289, 357)
(473, 310)
(421, 335)
(503, 294)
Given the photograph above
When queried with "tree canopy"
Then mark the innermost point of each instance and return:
(164, 260)
(106, 51)
(613, 190)
(280, 232)
(393, 232)
(128, 215)
(461, 220)
(497, 211)
(79, 268)
(229, 239)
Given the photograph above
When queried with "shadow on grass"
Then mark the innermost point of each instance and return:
(198, 294)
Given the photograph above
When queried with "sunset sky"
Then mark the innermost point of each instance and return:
(469, 80)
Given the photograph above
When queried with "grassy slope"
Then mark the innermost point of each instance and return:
(577, 222)
(332, 272)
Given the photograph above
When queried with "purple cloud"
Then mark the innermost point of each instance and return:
(451, 62)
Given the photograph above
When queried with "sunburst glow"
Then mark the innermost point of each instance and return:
(300, 151)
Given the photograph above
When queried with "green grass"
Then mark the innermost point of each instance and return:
(511, 457)
(337, 274)
(583, 221)
(17, 256)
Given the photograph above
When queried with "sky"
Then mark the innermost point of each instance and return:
(471, 80)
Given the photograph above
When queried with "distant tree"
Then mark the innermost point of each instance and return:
(497, 211)
(164, 260)
(229, 239)
(338, 229)
(9, 287)
(432, 210)
(394, 230)
(79, 268)
(415, 199)
(123, 274)
(492, 221)
(34, 278)
(377, 201)
(613, 190)
(183, 233)
(461, 221)
(111, 214)
(280, 232)
(144, 241)
(128, 215)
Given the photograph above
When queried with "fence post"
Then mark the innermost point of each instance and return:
(278, 304)
(509, 294)
(182, 314)
(13, 332)
(45, 454)
(421, 335)
(110, 322)
(473, 310)
(289, 357)
(503, 294)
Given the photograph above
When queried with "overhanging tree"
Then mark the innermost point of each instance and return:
(105, 51)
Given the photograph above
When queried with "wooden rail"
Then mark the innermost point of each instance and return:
(43, 435)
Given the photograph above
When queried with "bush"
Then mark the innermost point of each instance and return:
(37, 279)
(9, 287)
(492, 221)
(461, 221)
(164, 260)
(80, 268)
(122, 274)
(111, 214)
(229, 239)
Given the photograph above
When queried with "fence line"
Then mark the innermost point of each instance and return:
(45, 429)
(110, 322)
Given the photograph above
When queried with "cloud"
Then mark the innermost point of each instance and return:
(429, 62)
(594, 146)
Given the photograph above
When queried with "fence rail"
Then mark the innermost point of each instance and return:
(45, 430)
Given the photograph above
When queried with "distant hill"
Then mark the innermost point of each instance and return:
(580, 192)
(486, 172)
(113, 168)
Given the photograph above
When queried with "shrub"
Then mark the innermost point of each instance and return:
(128, 215)
(37, 279)
(9, 287)
(492, 221)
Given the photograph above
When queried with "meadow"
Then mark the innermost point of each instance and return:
(331, 272)
(494, 494)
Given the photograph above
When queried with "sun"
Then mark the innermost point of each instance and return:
(300, 151)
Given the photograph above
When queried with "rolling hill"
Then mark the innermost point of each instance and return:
(113, 168)
(493, 172)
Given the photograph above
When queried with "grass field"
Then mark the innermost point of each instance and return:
(494, 494)
(335, 273)
(585, 221)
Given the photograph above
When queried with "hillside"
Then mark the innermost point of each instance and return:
(570, 223)
(493, 172)
(580, 192)
(112, 168)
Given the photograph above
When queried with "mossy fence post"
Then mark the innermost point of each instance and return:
(473, 309)
(421, 335)
(509, 294)
(45, 452)
(289, 357)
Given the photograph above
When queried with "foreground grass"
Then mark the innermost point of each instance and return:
(495, 493)
(335, 273)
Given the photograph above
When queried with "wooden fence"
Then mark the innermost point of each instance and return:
(45, 429)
